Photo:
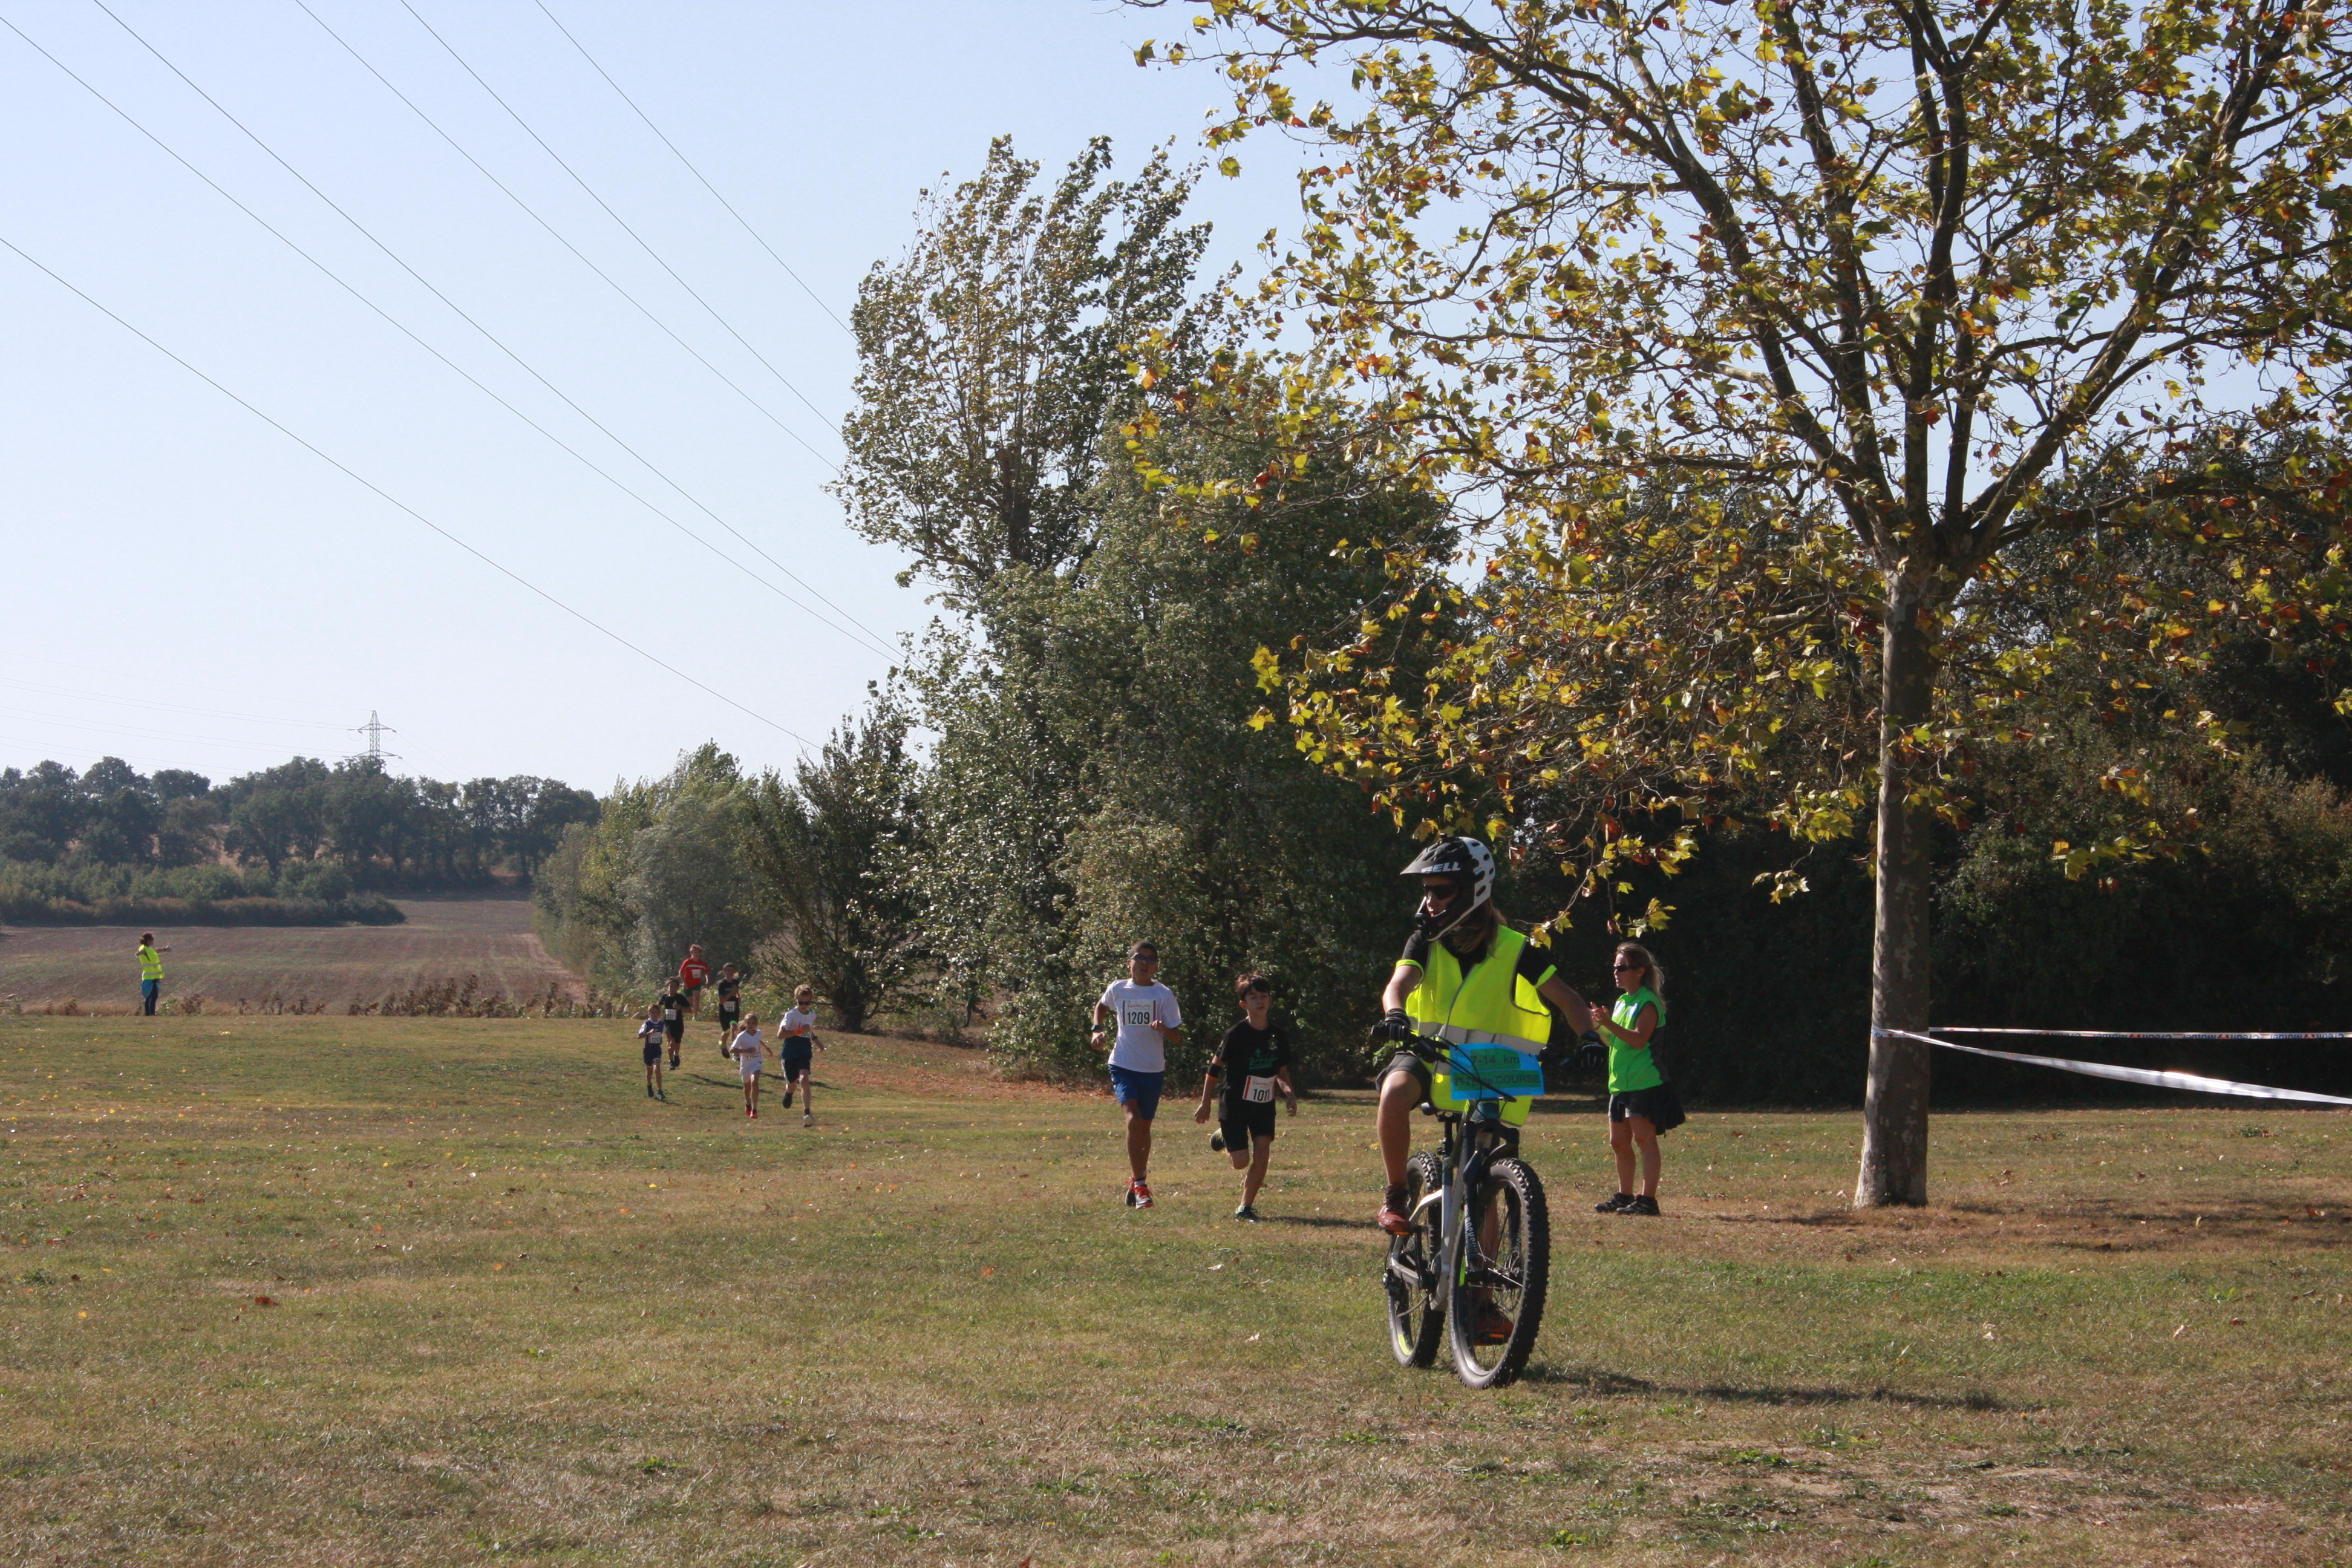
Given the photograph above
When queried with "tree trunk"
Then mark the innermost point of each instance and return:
(1894, 1106)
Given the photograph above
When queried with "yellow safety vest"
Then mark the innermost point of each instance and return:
(1492, 1006)
(151, 963)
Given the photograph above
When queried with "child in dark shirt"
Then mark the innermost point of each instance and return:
(674, 1004)
(730, 1005)
(1253, 1062)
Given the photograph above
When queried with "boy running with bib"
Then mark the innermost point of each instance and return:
(673, 1006)
(800, 1044)
(693, 974)
(750, 1052)
(649, 1035)
(731, 1004)
(1144, 1015)
(1253, 1061)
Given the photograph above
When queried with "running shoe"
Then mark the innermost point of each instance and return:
(1644, 1205)
(1617, 1204)
(1393, 1221)
(1494, 1328)
(1216, 1143)
(1248, 1213)
(662, 1095)
(649, 1091)
(1139, 1196)
(808, 1118)
(788, 1099)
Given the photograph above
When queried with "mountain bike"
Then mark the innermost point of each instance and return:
(1474, 1266)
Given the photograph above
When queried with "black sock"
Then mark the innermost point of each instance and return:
(1395, 1200)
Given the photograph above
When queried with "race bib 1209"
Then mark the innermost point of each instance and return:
(1139, 1015)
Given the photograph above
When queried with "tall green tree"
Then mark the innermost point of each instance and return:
(992, 357)
(1851, 284)
(838, 850)
(662, 866)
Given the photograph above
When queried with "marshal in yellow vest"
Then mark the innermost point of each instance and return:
(1491, 1006)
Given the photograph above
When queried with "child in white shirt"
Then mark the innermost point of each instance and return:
(749, 1050)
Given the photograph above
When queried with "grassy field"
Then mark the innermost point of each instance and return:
(444, 938)
(368, 1290)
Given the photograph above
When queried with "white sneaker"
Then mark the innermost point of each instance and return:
(808, 1119)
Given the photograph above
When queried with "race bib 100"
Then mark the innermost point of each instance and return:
(1258, 1090)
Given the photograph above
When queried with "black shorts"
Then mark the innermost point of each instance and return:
(1240, 1121)
(653, 1053)
(1406, 1062)
(1658, 1105)
(674, 1032)
(729, 1016)
(797, 1064)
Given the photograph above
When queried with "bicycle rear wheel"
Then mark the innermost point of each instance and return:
(1416, 1295)
(1496, 1296)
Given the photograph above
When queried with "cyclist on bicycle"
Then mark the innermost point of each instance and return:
(1464, 975)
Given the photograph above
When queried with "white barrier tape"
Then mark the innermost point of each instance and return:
(2135, 1035)
(2188, 1080)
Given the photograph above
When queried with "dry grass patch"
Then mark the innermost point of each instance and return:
(322, 967)
(419, 1290)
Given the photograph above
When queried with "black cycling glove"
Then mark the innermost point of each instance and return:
(1395, 1027)
(1591, 1056)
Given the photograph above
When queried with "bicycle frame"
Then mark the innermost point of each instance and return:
(1468, 1146)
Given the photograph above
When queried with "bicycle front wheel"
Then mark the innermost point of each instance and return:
(1496, 1295)
(1416, 1295)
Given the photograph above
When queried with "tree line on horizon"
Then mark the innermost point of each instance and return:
(305, 842)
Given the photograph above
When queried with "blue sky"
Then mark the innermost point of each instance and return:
(190, 587)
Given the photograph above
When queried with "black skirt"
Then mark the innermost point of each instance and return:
(1658, 1105)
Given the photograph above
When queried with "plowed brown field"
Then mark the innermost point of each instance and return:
(444, 938)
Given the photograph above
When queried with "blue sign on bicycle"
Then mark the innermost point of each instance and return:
(1493, 1072)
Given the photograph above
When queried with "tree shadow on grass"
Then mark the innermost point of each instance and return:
(1600, 1381)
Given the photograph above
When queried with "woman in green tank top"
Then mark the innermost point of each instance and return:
(1641, 1103)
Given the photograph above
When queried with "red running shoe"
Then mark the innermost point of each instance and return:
(1494, 1328)
(1139, 1196)
(1392, 1222)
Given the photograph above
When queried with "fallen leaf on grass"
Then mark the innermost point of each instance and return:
(986, 1272)
(264, 1301)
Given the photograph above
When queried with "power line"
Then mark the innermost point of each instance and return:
(862, 633)
(533, 215)
(690, 169)
(355, 477)
(617, 219)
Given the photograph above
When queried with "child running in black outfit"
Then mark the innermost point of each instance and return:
(730, 1005)
(673, 1006)
(1253, 1061)
(649, 1034)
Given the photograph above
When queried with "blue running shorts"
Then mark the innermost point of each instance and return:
(1138, 1091)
